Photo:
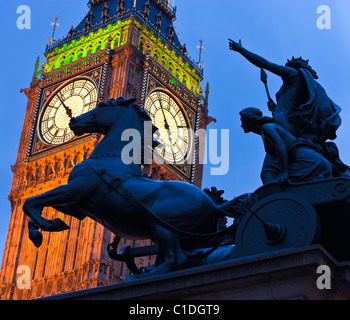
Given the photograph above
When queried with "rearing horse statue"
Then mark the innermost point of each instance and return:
(101, 188)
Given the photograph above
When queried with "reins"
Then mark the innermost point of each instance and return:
(117, 185)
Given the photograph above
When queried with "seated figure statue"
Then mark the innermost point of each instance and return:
(291, 158)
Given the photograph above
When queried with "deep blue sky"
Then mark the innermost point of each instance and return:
(276, 29)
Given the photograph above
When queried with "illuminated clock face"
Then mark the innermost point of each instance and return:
(74, 98)
(168, 117)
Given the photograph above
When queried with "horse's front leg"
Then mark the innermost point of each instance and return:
(33, 207)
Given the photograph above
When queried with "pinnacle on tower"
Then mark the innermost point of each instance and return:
(95, 2)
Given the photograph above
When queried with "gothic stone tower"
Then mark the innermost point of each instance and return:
(121, 48)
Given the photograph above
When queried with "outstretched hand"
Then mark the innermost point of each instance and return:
(235, 46)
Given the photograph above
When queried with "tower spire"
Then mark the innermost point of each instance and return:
(54, 24)
(95, 2)
(201, 48)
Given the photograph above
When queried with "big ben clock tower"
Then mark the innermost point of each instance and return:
(121, 48)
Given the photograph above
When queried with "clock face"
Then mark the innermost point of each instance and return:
(74, 98)
(168, 117)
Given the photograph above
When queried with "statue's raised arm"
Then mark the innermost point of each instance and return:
(260, 62)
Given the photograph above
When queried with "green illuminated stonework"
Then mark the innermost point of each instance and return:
(88, 44)
(168, 58)
(120, 33)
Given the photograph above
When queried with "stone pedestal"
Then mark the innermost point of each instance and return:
(288, 274)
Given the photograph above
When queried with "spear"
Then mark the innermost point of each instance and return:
(263, 78)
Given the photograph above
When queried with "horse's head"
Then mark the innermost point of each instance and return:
(103, 117)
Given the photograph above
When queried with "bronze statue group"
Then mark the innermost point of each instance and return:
(181, 218)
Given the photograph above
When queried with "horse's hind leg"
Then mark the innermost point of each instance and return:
(33, 207)
(70, 210)
(170, 247)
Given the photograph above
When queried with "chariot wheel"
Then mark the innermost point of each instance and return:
(280, 221)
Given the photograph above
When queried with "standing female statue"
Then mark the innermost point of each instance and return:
(303, 106)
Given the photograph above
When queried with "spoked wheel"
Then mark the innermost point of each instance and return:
(278, 222)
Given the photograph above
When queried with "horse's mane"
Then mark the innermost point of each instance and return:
(143, 115)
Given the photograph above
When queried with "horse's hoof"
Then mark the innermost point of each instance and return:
(55, 225)
(36, 237)
(59, 225)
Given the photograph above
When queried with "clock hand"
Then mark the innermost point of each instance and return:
(68, 111)
(166, 122)
(172, 145)
(167, 127)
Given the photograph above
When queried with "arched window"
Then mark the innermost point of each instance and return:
(180, 75)
(78, 54)
(142, 45)
(60, 61)
(188, 82)
(165, 62)
(87, 50)
(116, 41)
(70, 56)
(104, 43)
(97, 45)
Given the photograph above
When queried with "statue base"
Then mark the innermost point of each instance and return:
(280, 275)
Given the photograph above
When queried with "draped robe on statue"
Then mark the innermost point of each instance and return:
(303, 108)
